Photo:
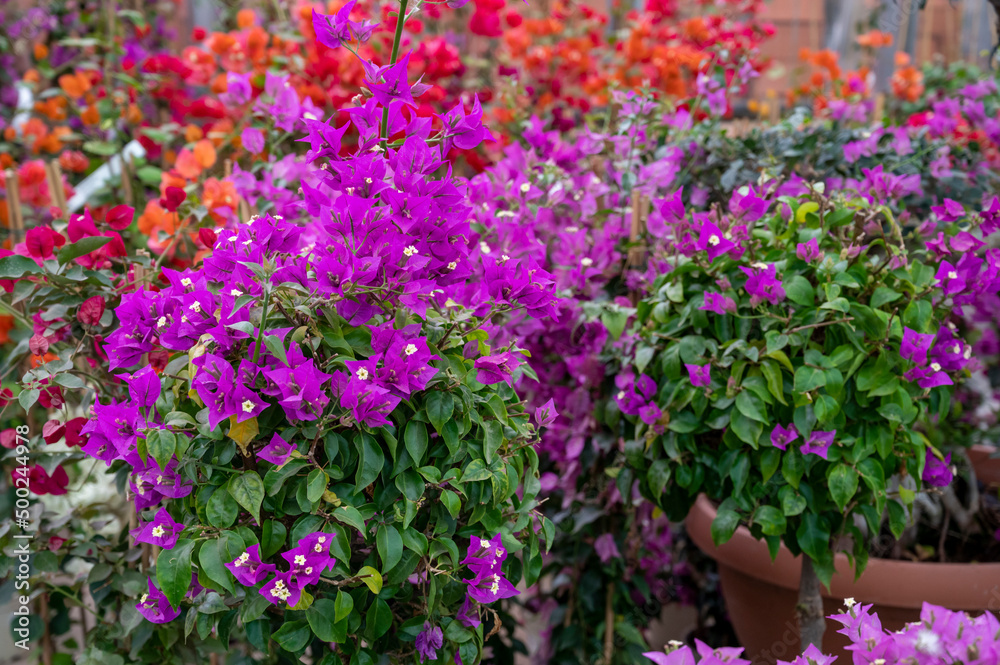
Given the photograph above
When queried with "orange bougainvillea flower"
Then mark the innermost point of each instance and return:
(875, 39)
(75, 85)
(246, 18)
(41, 51)
(37, 361)
(193, 133)
(902, 58)
(204, 152)
(91, 116)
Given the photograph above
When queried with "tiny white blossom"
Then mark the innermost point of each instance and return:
(362, 374)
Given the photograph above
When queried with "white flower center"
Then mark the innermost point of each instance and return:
(525, 188)
(483, 247)
(236, 293)
(410, 349)
(586, 262)
(936, 367)
(247, 406)
(952, 275)
(158, 531)
(242, 560)
(713, 240)
(300, 560)
(362, 374)
(410, 251)
(162, 321)
(186, 282)
(196, 307)
(452, 265)
(495, 587)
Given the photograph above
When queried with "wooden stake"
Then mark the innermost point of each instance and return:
(637, 252)
(57, 195)
(14, 206)
(126, 173)
(43, 611)
(879, 106)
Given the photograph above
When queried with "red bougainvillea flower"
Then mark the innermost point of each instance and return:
(90, 311)
(120, 217)
(172, 199)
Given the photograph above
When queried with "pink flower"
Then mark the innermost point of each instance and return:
(700, 374)
(819, 443)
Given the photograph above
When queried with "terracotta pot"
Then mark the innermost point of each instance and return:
(986, 465)
(761, 594)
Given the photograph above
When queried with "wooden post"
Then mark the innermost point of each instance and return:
(637, 252)
(14, 206)
(126, 173)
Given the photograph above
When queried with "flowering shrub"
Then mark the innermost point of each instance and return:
(784, 360)
(329, 393)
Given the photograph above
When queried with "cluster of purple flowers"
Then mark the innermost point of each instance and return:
(306, 562)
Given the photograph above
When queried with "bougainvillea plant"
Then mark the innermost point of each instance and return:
(318, 426)
(787, 356)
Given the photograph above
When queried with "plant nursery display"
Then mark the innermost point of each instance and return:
(367, 333)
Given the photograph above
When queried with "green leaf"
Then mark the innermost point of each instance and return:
(15, 266)
(770, 519)
(843, 483)
(799, 290)
(221, 510)
(390, 547)
(725, 522)
(809, 378)
(658, 476)
(792, 503)
(813, 536)
(272, 538)
(884, 295)
(451, 503)
(751, 406)
(371, 459)
(211, 563)
(475, 471)
(276, 347)
(615, 320)
(161, 444)
(440, 406)
(102, 148)
(293, 636)
(173, 571)
(415, 439)
(81, 247)
(316, 485)
(322, 615)
(897, 518)
(793, 465)
(371, 578)
(493, 433)
(378, 619)
(775, 385)
(342, 606)
(350, 515)
(770, 459)
(248, 490)
(825, 408)
(747, 430)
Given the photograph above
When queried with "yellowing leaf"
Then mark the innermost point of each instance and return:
(805, 209)
(304, 602)
(372, 579)
(244, 432)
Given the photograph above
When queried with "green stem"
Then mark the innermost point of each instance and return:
(263, 324)
(396, 39)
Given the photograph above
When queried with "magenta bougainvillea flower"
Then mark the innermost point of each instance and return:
(718, 303)
(428, 641)
(155, 607)
(162, 531)
(277, 451)
(700, 375)
(781, 436)
(763, 284)
(915, 346)
(497, 368)
(248, 568)
(809, 251)
(819, 443)
(937, 471)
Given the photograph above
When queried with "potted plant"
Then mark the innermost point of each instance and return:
(786, 361)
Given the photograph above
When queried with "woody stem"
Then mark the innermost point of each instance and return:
(397, 38)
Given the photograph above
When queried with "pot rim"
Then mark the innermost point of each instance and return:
(903, 584)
